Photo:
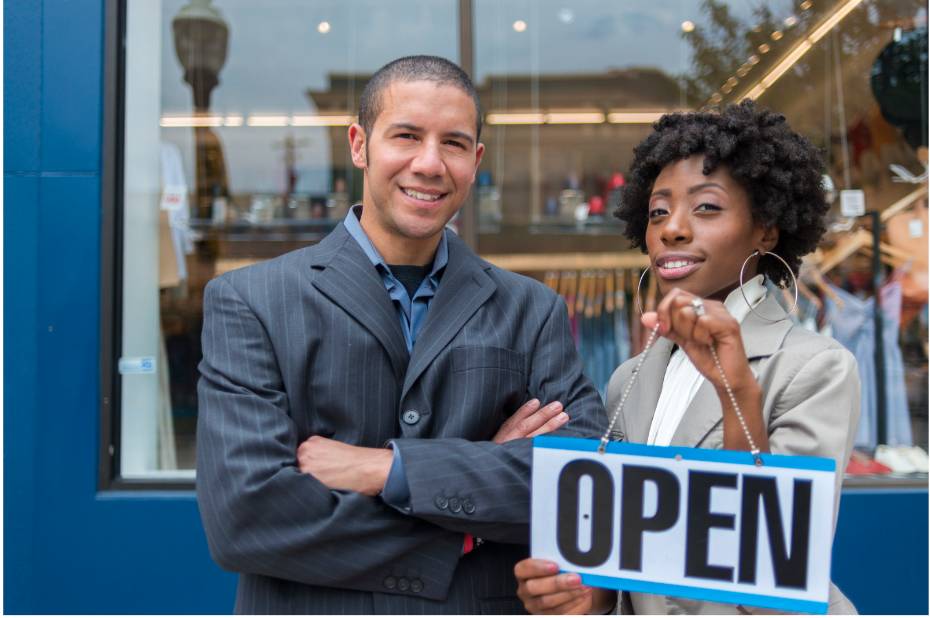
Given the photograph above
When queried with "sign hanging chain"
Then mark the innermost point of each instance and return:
(602, 448)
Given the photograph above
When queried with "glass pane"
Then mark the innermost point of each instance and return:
(570, 87)
(235, 152)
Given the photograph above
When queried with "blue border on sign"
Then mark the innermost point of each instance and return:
(588, 445)
(704, 594)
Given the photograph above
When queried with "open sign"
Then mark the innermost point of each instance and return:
(686, 522)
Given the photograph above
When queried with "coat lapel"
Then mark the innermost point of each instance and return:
(640, 406)
(349, 279)
(760, 339)
(465, 286)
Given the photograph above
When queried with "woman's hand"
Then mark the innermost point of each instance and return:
(531, 421)
(544, 590)
(679, 321)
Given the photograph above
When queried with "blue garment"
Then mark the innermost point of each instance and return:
(412, 313)
(854, 327)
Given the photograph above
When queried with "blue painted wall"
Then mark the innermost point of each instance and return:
(67, 547)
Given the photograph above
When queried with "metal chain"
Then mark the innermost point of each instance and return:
(757, 458)
(605, 439)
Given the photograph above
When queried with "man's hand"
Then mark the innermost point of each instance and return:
(341, 466)
(528, 422)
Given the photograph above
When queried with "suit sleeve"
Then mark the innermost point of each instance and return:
(260, 514)
(495, 477)
(817, 412)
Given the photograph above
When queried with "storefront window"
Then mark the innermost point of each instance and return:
(235, 151)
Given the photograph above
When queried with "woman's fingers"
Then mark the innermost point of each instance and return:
(544, 590)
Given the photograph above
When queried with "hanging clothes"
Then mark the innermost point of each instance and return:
(854, 327)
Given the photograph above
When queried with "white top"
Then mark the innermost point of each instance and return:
(682, 379)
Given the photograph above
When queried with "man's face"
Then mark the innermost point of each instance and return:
(420, 161)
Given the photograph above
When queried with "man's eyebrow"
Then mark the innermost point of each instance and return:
(415, 129)
(461, 135)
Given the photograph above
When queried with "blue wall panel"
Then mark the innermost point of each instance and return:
(72, 85)
(22, 84)
(20, 240)
(880, 551)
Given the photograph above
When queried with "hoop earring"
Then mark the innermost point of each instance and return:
(639, 305)
(743, 292)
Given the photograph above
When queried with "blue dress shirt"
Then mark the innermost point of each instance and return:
(412, 313)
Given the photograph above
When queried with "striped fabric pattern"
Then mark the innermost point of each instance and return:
(310, 344)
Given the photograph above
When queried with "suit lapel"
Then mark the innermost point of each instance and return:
(640, 406)
(760, 339)
(349, 279)
(465, 286)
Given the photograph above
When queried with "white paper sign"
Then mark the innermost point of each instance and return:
(852, 203)
(696, 523)
(136, 364)
(915, 228)
(174, 197)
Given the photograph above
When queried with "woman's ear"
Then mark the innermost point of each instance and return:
(769, 239)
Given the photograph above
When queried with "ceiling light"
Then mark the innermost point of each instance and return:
(777, 35)
(764, 48)
(324, 27)
(753, 59)
(321, 121)
(634, 117)
(742, 71)
(528, 118)
(192, 121)
(687, 26)
(575, 118)
(791, 21)
(801, 49)
(717, 97)
(519, 26)
(267, 121)
(233, 121)
(806, 5)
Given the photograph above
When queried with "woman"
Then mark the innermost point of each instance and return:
(712, 193)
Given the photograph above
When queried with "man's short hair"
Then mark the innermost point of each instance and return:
(434, 69)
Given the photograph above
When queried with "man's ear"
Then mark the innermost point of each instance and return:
(357, 141)
(479, 152)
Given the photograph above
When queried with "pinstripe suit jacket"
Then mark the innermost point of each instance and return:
(310, 344)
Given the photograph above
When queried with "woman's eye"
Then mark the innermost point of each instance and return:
(657, 212)
(708, 207)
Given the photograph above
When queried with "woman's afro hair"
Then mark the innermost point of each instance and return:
(780, 170)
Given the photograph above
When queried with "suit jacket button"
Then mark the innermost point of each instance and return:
(403, 583)
(411, 417)
(442, 502)
(416, 586)
(389, 582)
(468, 506)
(455, 505)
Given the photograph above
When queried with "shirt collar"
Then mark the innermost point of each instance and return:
(354, 227)
(755, 293)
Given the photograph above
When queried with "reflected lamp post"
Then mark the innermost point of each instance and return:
(200, 41)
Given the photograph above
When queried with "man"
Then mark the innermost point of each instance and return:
(350, 391)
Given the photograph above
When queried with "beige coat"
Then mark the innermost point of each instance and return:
(810, 402)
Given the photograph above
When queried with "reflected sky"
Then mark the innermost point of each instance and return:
(277, 52)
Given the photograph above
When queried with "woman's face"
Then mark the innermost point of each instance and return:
(701, 230)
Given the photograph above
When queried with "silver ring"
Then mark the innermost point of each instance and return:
(698, 305)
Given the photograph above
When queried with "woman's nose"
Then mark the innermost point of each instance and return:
(677, 226)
